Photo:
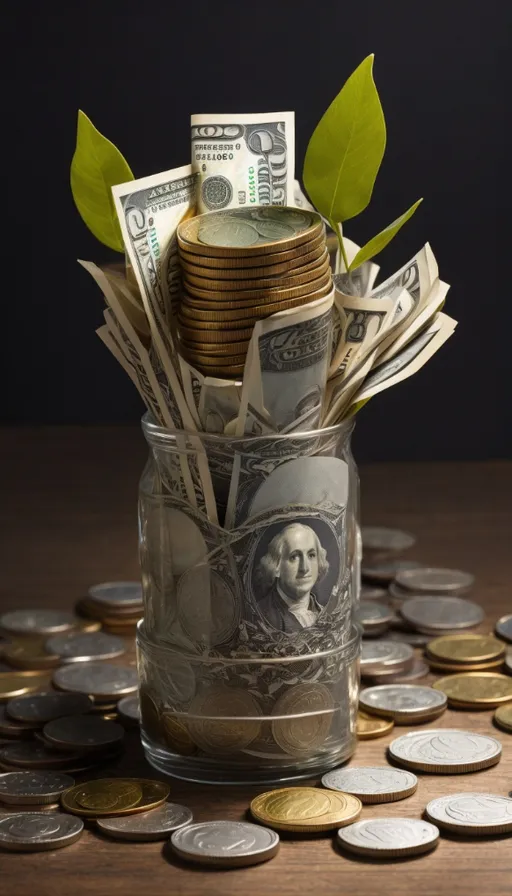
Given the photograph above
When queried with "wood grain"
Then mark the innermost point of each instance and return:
(68, 515)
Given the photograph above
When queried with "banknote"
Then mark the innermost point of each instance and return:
(128, 296)
(213, 402)
(361, 322)
(111, 343)
(299, 198)
(433, 304)
(245, 159)
(341, 388)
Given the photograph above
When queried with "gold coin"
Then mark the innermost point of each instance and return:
(177, 736)
(297, 278)
(473, 689)
(226, 373)
(503, 717)
(215, 349)
(215, 335)
(87, 625)
(466, 649)
(294, 257)
(306, 809)
(274, 294)
(240, 232)
(208, 361)
(15, 684)
(197, 325)
(436, 666)
(310, 709)
(224, 720)
(369, 727)
(243, 315)
(29, 653)
(114, 796)
(149, 714)
(292, 268)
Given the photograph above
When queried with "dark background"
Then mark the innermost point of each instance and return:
(139, 70)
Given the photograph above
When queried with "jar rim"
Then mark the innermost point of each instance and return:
(156, 434)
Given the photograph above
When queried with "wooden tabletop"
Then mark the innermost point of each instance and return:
(68, 519)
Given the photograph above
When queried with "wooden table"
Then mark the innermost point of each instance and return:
(69, 519)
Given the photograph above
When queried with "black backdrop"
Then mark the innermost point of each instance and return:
(139, 71)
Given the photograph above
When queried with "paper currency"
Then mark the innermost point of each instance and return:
(433, 304)
(362, 320)
(111, 343)
(245, 159)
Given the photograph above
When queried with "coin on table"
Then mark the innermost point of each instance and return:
(476, 689)
(374, 617)
(466, 648)
(304, 715)
(177, 735)
(114, 796)
(385, 655)
(508, 661)
(503, 717)
(82, 733)
(379, 784)
(435, 614)
(445, 751)
(437, 666)
(33, 788)
(370, 592)
(404, 703)
(432, 580)
(37, 831)
(30, 653)
(42, 708)
(369, 727)
(33, 755)
(418, 670)
(225, 844)
(117, 594)
(503, 628)
(15, 684)
(305, 809)
(128, 709)
(231, 722)
(415, 639)
(36, 622)
(10, 728)
(154, 825)
(385, 572)
(393, 837)
(99, 680)
(85, 646)
(379, 538)
(478, 814)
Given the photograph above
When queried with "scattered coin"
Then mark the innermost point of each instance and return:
(385, 572)
(34, 755)
(36, 622)
(42, 708)
(114, 796)
(385, 655)
(376, 784)
(476, 689)
(433, 581)
(397, 595)
(445, 751)
(404, 703)
(9, 728)
(231, 722)
(370, 592)
(503, 628)
(466, 648)
(378, 538)
(374, 617)
(369, 727)
(225, 844)
(99, 680)
(129, 709)
(478, 814)
(117, 594)
(304, 716)
(418, 670)
(393, 837)
(466, 667)
(33, 788)
(154, 825)
(30, 653)
(82, 733)
(15, 684)
(37, 831)
(85, 646)
(415, 639)
(508, 661)
(435, 614)
(503, 717)
(305, 809)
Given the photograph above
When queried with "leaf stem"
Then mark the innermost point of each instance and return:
(336, 226)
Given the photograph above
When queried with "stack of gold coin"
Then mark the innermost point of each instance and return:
(465, 653)
(241, 266)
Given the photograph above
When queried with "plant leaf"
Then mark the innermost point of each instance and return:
(96, 166)
(379, 242)
(346, 149)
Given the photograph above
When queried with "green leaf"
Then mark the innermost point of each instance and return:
(379, 242)
(96, 166)
(345, 151)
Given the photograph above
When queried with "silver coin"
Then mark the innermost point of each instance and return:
(369, 592)
(479, 814)
(10, 728)
(379, 538)
(36, 622)
(441, 614)
(85, 646)
(225, 843)
(508, 661)
(418, 670)
(96, 679)
(42, 708)
(83, 733)
(274, 230)
(128, 709)
(228, 232)
(374, 617)
(154, 825)
(374, 784)
(377, 655)
(117, 594)
(504, 628)
(389, 837)
(404, 703)
(34, 754)
(385, 572)
(397, 595)
(431, 580)
(445, 750)
(33, 788)
(38, 831)
(415, 639)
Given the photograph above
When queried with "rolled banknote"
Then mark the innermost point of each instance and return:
(243, 160)
(435, 301)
